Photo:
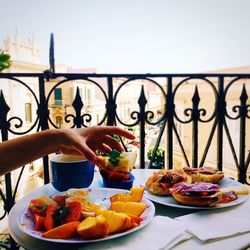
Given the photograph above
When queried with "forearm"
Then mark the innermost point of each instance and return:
(20, 151)
(83, 141)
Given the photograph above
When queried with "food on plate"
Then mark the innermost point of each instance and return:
(118, 222)
(239, 190)
(81, 199)
(90, 210)
(45, 200)
(228, 196)
(231, 193)
(204, 174)
(206, 194)
(116, 166)
(72, 192)
(135, 194)
(93, 227)
(77, 195)
(60, 199)
(39, 222)
(65, 231)
(161, 181)
(49, 222)
(197, 194)
(129, 207)
(36, 207)
(64, 216)
(74, 212)
(40, 204)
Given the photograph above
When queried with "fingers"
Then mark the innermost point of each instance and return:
(113, 143)
(105, 148)
(86, 141)
(70, 151)
(111, 130)
(83, 148)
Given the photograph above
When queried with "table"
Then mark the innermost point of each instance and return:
(29, 243)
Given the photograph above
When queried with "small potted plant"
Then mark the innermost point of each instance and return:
(159, 158)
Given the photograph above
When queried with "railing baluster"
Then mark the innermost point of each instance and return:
(142, 117)
(111, 105)
(170, 123)
(78, 105)
(243, 115)
(195, 118)
(43, 113)
(221, 107)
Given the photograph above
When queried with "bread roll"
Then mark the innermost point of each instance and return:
(204, 174)
(161, 181)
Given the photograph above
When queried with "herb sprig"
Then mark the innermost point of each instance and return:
(114, 157)
(60, 215)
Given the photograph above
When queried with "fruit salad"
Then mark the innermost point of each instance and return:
(75, 214)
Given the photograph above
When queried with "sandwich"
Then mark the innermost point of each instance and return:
(116, 165)
(201, 194)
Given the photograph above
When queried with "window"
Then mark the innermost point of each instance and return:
(80, 92)
(89, 96)
(28, 113)
(58, 96)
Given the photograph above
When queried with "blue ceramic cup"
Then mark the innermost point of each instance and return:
(68, 171)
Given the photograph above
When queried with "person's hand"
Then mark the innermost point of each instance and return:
(87, 140)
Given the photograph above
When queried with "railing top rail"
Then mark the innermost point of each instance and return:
(199, 75)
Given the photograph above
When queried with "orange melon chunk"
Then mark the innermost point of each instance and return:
(65, 231)
(135, 194)
(130, 207)
(93, 227)
(118, 222)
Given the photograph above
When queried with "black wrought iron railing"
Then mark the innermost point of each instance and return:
(202, 117)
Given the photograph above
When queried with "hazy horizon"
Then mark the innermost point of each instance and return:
(143, 36)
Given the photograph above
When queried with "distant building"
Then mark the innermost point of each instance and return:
(26, 58)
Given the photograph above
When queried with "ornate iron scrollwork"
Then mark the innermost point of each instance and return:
(166, 121)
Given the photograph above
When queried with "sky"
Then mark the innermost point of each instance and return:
(135, 36)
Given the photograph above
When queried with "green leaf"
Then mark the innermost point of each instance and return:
(4, 60)
(4, 64)
(60, 214)
(4, 57)
(114, 157)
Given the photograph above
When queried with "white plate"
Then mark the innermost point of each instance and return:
(99, 195)
(170, 201)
